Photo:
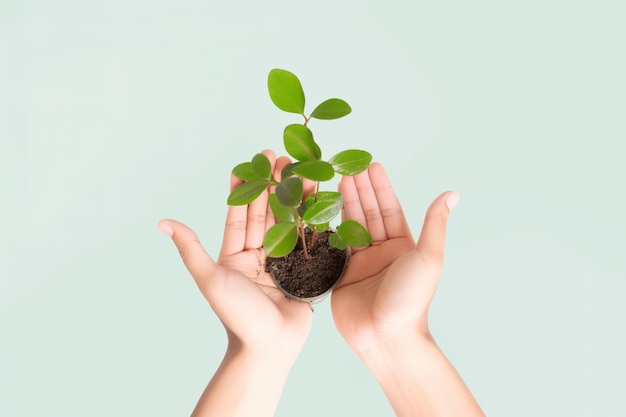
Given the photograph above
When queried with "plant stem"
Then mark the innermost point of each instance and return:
(304, 245)
(313, 239)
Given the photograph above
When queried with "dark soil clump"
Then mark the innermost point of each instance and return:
(307, 278)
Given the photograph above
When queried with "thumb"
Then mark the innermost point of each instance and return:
(196, 260)
(433, 235)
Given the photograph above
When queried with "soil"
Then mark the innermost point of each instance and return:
(308, 278)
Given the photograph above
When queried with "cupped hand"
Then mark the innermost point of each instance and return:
(254, 312)
(389, 285)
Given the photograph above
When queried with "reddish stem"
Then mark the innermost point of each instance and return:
(313, 238)
(304, 245)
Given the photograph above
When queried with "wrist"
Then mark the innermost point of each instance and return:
(261, 360)
(388, 353)
(248, 382)
(417, 378)
(260, 357)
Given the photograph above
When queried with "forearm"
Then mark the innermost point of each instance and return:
(246, 384)
(418, 379)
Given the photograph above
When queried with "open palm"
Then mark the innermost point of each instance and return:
(237, 287)
(389, 284)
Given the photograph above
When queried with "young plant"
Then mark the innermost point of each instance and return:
(293, 210)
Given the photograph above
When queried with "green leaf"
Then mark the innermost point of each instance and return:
(324, 196)
(301, 210)
(280, 239)
(281, 212)
(334, 201)
(286, 91)
(333, 108)
(289, 192)
(261, 166)
(259, 169)
(319, 228)
(351, 162)
(354, 234)
(336, 241)
(299, 143)
(315, 170)
(245, 172)
(247, 192)
(322, 211)
(288, 170)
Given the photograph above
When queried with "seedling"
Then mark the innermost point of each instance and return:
(293, 210)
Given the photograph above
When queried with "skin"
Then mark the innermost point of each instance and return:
(266, 331)
(380, 307)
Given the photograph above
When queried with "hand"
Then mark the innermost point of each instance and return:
(381, 305)
(254, 312)
(265, 329)
(388, 286)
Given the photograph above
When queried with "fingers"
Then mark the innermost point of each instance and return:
(370, 200)
(433, 236)
(235, 228)
(281, 163)
(351, 209)
(246, 225)
(369, 205)
(257, 213)
(196, 260)
(255, 222)
(388, 204)
(236, 300)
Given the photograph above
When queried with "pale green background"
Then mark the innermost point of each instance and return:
(114, 114)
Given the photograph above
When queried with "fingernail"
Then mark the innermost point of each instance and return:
(452, 200)
(166, 228)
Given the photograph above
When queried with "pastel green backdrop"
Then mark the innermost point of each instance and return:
(117, 114)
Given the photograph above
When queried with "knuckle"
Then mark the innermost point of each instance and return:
(390, 212)
(372, 214)
(186, 248)
(236, 225)
(182, 251)
(256, 218)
